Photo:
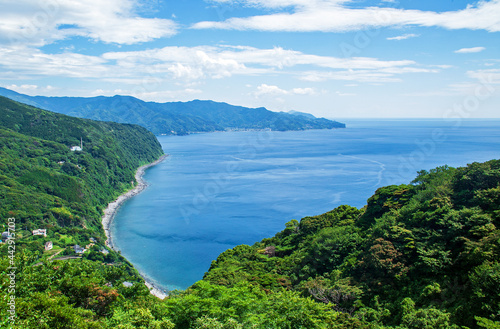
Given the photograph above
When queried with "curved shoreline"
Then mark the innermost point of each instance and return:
(112, 208)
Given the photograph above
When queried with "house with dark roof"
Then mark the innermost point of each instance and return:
(78, 249)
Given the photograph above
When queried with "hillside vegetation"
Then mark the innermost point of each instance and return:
(424, 255)
(174, 118)
(420, 255)
(45, 185)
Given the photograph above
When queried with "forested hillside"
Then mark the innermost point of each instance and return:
(424, 255)
(421, 255)
(44, 185)
(174, 118)
(42, 178)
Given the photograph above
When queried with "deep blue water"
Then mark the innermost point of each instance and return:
(219, 190)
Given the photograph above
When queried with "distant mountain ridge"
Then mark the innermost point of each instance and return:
(175, 118)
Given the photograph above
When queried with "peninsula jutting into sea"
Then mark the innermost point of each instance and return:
(175, 118)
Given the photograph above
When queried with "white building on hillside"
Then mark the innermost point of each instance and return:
(40, 231)
(48, 245)
(78, 148)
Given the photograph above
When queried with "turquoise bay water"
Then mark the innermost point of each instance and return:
(219, 190)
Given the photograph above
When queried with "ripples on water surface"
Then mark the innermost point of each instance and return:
(219, 190)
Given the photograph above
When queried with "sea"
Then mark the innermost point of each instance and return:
(219, 190)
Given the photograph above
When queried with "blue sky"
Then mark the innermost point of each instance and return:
(331, 58)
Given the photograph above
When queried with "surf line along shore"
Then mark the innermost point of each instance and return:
(110, 212)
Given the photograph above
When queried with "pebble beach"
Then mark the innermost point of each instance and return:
(110, 212)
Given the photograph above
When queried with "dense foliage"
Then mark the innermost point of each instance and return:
(45, 185)
(422, 255)
(174, 117)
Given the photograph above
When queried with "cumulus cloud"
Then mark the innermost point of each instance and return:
(37, 23)
(335, 16)
(470, 50)
(191, 65)
(264, 89)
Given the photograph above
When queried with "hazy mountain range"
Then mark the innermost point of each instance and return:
(175, 118)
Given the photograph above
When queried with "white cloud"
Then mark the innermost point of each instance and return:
(445, 66)
(35, 63)
(275, 3)
(280, 58)
(158, 96)
(267, 90)
(359, 76)
(165, 95)
(264, 89)
(404, 37)
(403, 70)
(456, 89)
(462, 88)
(303, 91)
(184, 63)
(486, 83)
(194, 63)
(333, 16)
(486, 77)
(32, 89)
(189, 66)
(37, 23)
(341, 94)
(470, 50)
(384, 75)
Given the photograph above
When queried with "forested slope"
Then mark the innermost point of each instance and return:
(421, 255)
(45, 185)
(424, 255)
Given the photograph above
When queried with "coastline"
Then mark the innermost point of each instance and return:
(112, 208)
